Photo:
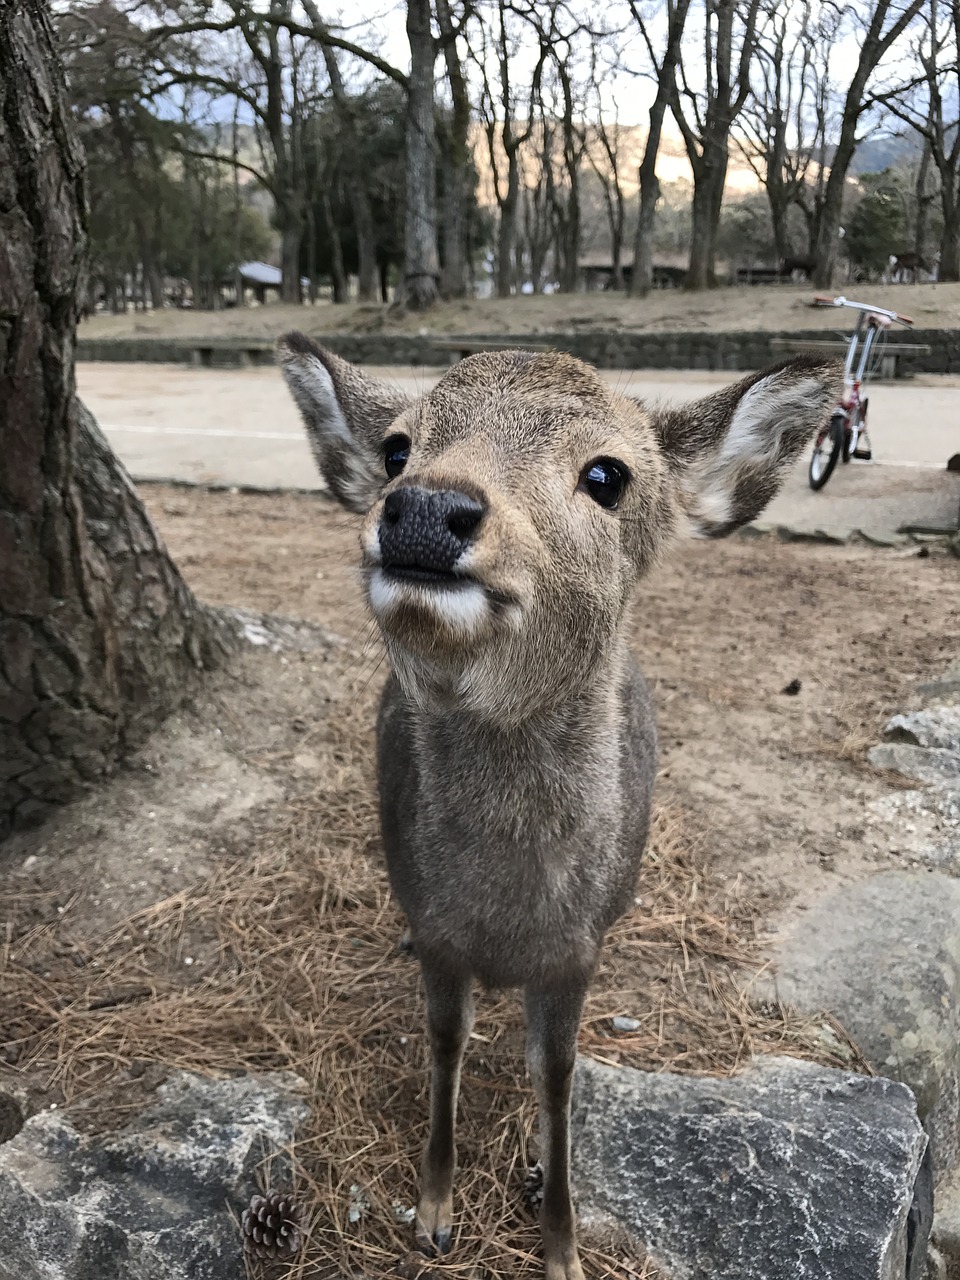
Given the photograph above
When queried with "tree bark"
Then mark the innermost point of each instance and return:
(950, 236)
(570, 239)
(421, 267)
(338, 273)
(709, 181)
(924, 198)
(507, 231)
(99, 635)
(291, 238)
(457, 170)
(707, 140)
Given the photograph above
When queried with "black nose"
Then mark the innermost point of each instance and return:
(427, 529)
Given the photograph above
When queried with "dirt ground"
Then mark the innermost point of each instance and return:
(775, 307)
(220, 904)
(775, 784)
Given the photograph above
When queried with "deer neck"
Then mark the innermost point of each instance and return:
(544, 774)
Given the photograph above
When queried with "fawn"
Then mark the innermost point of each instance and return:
(509, 514)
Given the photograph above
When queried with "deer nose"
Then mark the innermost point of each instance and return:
(427, 528)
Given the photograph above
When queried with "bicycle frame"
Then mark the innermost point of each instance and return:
(870, 322)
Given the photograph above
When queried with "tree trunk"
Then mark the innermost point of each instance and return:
(827, 242)
(708, 183)
(570, 277)
(291, 237)
(337, 271)
(950, 237)
(453, 219)
(507, 232)
(99, 635)
(642, 279)
(421, 266)
(457, 169)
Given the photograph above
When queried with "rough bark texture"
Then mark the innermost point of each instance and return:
(421, 268)
(457, 164)
(709, 180)
(98, 632)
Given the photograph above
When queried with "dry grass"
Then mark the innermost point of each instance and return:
(297, 967)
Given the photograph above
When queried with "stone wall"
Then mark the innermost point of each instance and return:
(604, 348)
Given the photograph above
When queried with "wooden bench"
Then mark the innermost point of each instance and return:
(890, 353)
(234, 353)
(758, 275)
(461, 347)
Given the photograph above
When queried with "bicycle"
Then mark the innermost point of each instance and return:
(845, 435)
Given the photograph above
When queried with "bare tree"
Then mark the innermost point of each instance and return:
(665, 71)
(777, 116)
(705, 120)
(99, 635)
(939, 54)
(263, 70)
(605, 161)
(884, 22)
(421, 263)
(455, 153)
(358, 193)
(500, 108)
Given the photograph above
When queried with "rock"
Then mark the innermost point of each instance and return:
(883, 956)
(937, 726)
(625, 1024)
(925, 764)
(949, 682)
(946, 1225)
(148, 1201)
(787, 1170)
(11, 1117)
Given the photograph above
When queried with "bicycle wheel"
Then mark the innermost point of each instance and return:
(827, 451)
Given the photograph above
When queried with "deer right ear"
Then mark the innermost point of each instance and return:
(346, 415)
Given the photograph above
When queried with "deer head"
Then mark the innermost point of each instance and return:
(509, 512)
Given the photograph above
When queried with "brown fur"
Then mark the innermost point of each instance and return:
(516, 740)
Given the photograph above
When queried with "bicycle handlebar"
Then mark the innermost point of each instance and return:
(824, 300)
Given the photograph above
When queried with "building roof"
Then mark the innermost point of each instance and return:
(260, 273)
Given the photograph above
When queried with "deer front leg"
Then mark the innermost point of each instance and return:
(553, 1020)
(449, 1020)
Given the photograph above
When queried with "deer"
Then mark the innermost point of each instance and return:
(508, 516)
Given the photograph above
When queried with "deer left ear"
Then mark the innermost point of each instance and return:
(346, 414)
(731, 451)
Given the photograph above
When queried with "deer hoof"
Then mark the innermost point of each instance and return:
(570, 1270)
(435, 1226)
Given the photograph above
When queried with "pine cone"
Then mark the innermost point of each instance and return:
(271, 1226)
(533, 1188)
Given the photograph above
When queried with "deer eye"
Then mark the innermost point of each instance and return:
(604, 480)
(396, 451)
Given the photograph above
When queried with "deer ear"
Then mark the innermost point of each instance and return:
(346, 415)
(731, 451)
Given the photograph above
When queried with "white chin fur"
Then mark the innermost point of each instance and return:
(463, 609)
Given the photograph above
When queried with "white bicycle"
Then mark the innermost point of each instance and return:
(845, 435)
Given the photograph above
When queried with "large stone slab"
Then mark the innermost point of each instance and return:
(789, 1171)
(150, 1201)
(884, 957)
(937, 727)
